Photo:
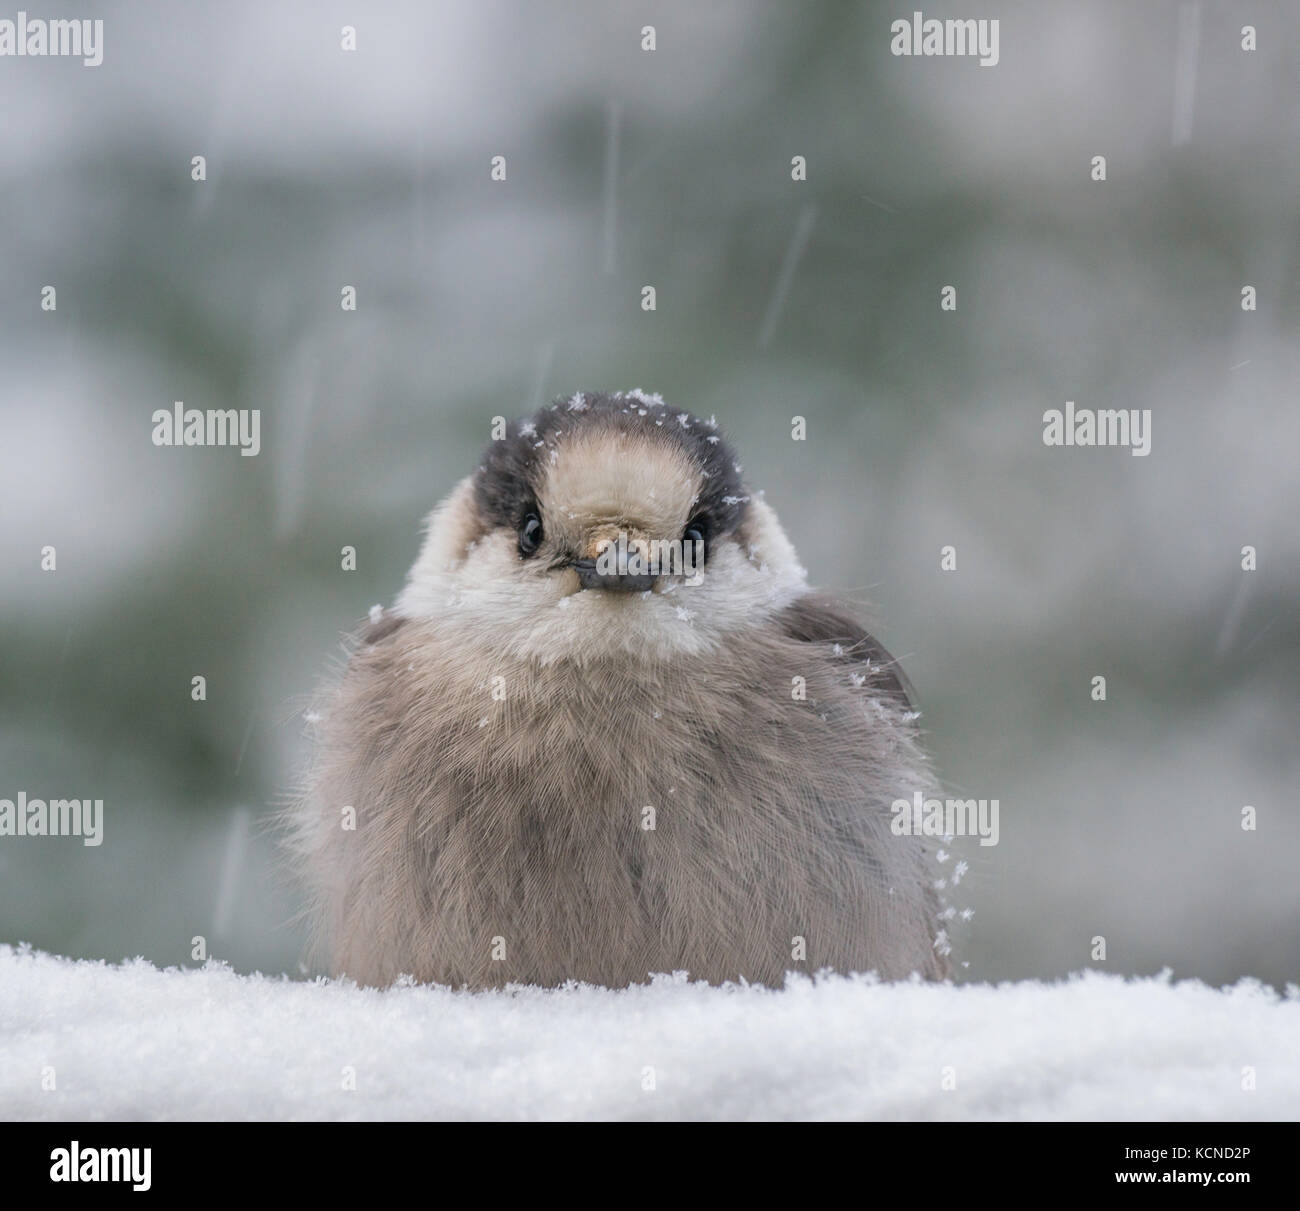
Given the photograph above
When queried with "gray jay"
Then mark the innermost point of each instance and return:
(608, 730)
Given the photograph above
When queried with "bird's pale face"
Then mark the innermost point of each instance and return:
(586, 538)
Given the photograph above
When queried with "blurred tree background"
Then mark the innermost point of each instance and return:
(775, 298)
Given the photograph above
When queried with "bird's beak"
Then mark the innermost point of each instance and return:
(590, 577)
(616, 562)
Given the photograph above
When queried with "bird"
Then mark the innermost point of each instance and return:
(563, 755)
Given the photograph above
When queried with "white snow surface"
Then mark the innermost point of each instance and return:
(131, 1041)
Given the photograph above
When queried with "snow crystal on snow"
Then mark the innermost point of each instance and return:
(134, 1042)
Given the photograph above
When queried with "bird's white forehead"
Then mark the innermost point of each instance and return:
(623, 477)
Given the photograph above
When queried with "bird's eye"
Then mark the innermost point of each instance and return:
(693, 535)
(530, 534)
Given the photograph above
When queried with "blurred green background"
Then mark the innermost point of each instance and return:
(775, 298)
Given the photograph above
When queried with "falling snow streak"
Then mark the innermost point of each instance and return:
(880, 205)
(231, 866)
(1264, 630)
(793, 255)
(613, 125)
(1188, 48)
(545, 356)
(243, 747)
(1232, 618)
(222, 131)
(418, 160)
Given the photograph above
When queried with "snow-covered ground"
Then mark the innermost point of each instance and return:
(136, 1042)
